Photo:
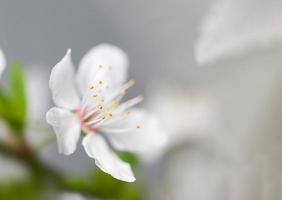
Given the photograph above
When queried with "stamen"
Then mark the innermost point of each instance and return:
(107, 109)
(122, 91)
(112, 130)
(100, 122)
(130, 103)
(129, 84)
(118, 94)
(95, 121)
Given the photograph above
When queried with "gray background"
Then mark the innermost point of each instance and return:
(159, 37)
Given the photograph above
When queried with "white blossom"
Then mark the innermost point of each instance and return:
(2, 62)
(235, 26)
(90, 102)
(185, 116)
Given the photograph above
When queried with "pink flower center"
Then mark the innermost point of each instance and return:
(83, 121)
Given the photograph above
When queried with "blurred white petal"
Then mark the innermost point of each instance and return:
(194, 171)
(139, 132)
(97, 148)
(62, 83)
(183, 115)
(37, 86)
(235, 26)
(70, 196)
(105, 63)
(66, 127)
(3, 62)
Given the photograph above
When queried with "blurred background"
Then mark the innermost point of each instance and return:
(222, 111)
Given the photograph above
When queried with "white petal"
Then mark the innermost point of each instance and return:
(184, 115)
(97, 148)
(139, 132)
(62, 83)
(71, 196)
(37, 85)
(2, 62)
(66, 127)
(238, 25)
(113, 72)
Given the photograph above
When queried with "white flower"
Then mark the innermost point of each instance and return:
(2, 62)
(91, 102)
(233, 26)
(184, 116)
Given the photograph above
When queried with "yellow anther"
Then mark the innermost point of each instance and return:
(123, 92)
(100, 82)
(91, 87)
(138, 109)
(115, 103)
(110, 114)
(94, 95)
(104, 117)
(132, 82)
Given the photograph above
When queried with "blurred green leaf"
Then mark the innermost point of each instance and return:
(13, 102)
(22, 190)
(128, 157)
(108, 187)
(17, 85)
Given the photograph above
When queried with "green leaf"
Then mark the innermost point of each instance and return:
(17, 84)
(128, 157)
(13, 101)
(22, 190)
(106, 187)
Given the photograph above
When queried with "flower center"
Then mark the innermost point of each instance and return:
(101, 104)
